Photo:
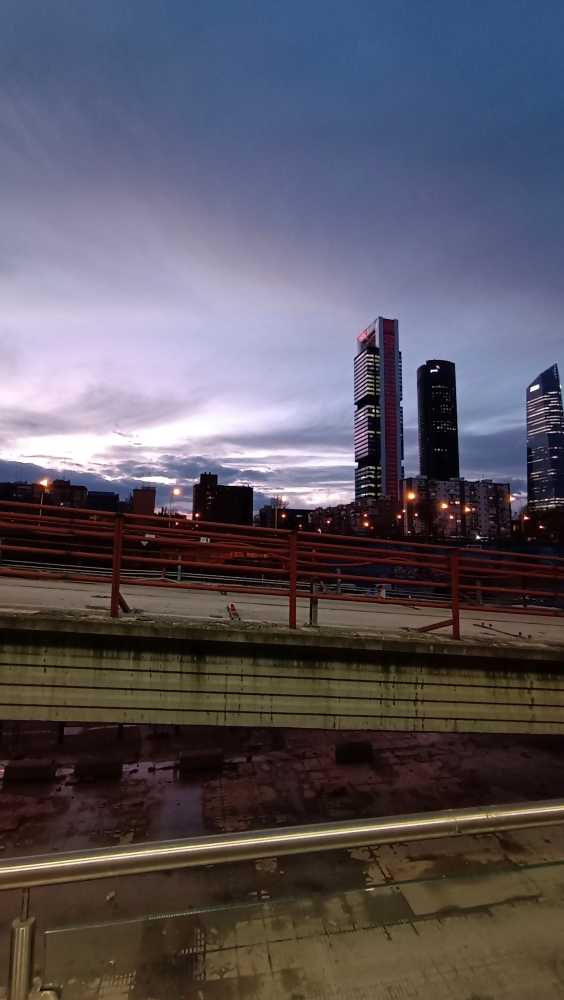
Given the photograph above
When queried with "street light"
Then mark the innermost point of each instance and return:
(522, 516)
(175, 493)
(410, 497)
(44, 483)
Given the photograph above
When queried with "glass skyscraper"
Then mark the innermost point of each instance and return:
(378, 419)
(437, 420)
(545, 442)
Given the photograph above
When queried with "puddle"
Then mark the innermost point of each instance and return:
(148, 803)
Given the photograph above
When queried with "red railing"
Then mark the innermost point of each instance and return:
(38, 542)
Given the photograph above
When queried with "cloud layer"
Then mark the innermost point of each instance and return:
(204, 204)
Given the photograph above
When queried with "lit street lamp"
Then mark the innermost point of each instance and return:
(175, 493)
(410, 497)
(44, 483)
(522, 516)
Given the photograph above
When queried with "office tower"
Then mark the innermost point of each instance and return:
(438, 422)
(378, 419)
(545, 442)
(225, 504)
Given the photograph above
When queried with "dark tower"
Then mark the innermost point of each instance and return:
(438, 421)
(378, 427)
(545, 442)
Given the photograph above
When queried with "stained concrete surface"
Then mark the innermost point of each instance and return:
(479, 938)
(271, 777)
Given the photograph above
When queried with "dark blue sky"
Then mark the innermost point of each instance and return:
(204, 203)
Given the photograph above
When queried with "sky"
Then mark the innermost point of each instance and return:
(204, 203)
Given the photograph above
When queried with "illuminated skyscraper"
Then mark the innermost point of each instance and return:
(545, 442)
(378, 419)
(438, 421)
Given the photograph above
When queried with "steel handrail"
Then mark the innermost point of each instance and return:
(138, 859)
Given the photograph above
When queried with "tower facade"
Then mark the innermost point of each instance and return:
(378, 419)
(437, 420)
(545, 442)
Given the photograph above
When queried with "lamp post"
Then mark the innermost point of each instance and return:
(410, 497)
(175, 493)
(45, 484)
(279, 502)
(522, 516)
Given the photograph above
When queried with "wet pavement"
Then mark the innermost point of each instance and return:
(271, 777)
(481, 937)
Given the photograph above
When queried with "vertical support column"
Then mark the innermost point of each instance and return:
(314, 602)
(21, 953)
(454, 592)
(116, 566)
(292, 610)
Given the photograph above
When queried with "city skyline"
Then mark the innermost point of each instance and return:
(202, 204)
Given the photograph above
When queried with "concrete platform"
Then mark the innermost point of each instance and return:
(155, 602)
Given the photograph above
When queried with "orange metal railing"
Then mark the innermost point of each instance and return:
(46, 543)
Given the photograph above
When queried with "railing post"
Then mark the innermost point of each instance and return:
(454, 593)
(292, 610)
(116, 565)
(21, 953)
(314, 602)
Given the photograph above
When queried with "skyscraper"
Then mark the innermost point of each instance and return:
(438, 421)
(545, 442)
(378, 419)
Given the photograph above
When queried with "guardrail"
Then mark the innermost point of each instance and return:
(279, 562)
(136, 859)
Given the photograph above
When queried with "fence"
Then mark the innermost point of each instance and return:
(51, 543)
(79, 866)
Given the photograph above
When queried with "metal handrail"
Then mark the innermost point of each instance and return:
(137, 859)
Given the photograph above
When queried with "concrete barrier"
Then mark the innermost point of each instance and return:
(72, 668)
(30, 770)
(200, 760)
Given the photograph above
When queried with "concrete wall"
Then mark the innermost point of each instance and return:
(78, 669)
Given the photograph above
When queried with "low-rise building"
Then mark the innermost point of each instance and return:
(456, 508)
(291, 518)
(224, 504)
(374, 517)
(143, 500)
